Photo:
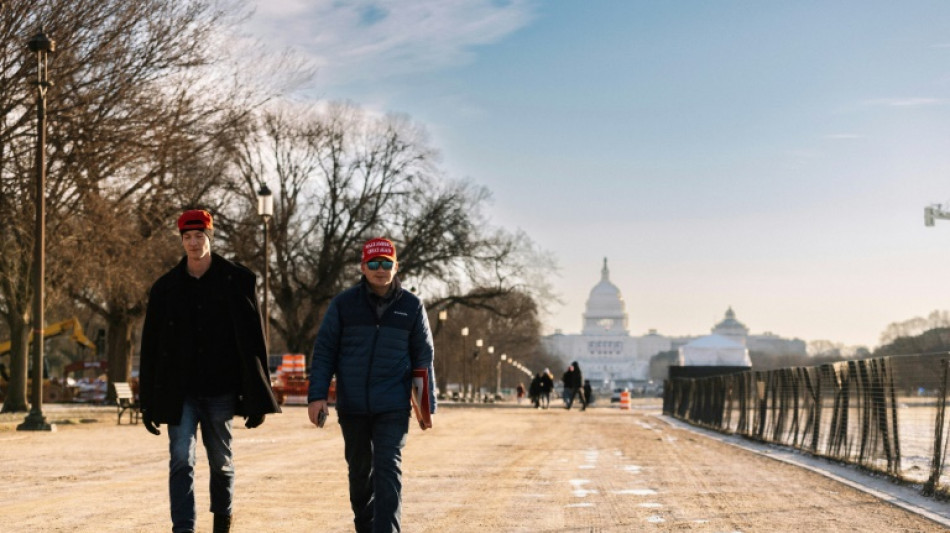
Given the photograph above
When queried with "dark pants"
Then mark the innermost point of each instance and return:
(579, 391)
(373, 449)
(214, 414)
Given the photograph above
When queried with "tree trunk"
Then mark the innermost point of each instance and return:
(15, 400)
(119, 350)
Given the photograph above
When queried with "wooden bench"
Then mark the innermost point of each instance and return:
(125, 401)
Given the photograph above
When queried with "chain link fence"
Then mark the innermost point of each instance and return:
(886, 415)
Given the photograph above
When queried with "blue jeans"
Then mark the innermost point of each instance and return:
(214, 414)
(373, 450)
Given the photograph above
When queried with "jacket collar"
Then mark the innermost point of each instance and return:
(395, 290)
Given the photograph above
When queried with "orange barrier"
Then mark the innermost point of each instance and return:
(625, 400)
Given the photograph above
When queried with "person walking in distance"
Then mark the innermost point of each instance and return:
(372, 337)
(547, 385)
(203, 361)
(574, 379)
(534, 390)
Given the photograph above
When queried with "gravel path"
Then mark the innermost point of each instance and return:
(479, 470)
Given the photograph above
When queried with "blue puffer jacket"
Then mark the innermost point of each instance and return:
(371, 357)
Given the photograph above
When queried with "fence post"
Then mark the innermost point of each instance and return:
(761, 404)
(936, 466)
(897, 435)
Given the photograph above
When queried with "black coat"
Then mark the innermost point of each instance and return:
(163, 361)
(573, 378)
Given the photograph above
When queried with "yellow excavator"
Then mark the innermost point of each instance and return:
(56, 390)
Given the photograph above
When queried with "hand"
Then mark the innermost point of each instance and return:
(252, 421)
(315, 409)
(149, 424)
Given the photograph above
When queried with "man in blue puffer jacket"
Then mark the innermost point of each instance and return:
(372, 337)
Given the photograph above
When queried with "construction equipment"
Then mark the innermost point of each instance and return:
(54, 390)
(71, 326)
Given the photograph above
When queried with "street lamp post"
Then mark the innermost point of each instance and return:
(475, 377)
(43, 46)
(464, 366)
(498, 368)
(265, 208)
(491, 352)
(442, 375)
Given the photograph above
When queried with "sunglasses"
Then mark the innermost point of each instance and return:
(374, 265)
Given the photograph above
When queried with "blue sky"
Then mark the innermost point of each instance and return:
(775, 157)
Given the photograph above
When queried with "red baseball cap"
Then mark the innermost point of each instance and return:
(198, 219)
(379, 247)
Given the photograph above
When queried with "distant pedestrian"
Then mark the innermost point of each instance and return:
(203, 361)
(534, 390)
(588, 394)
(547, 385)
(574, 381)
(520, 392)
(372, 337)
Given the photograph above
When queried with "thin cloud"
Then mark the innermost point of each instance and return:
(906, 102)
(350, 41)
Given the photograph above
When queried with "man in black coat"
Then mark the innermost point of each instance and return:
(203, 361)
(547, 385)
(574, 380)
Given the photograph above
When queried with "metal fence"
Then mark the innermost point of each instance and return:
(885, 415)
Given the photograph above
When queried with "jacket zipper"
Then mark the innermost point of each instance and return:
(372, 354)
(369, 371)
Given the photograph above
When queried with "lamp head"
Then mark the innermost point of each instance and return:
(41, 43)
(265, 202)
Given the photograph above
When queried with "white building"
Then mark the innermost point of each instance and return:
(608, 354)
(714, 350)
(766, 343)
(605, 350)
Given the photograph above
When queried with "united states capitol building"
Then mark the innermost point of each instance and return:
(608, 354)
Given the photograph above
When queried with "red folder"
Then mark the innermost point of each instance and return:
(420, 397)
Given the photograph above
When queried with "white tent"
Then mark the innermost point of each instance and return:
(714, 350)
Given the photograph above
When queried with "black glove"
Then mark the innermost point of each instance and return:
(252, 421)
(150, 425)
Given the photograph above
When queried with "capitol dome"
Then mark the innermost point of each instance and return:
(605, 314)
(731, 328)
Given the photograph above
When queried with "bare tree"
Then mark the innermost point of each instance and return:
(916, 326)
(343, 175)
(337, 172)
(510, 325)
(142, 119)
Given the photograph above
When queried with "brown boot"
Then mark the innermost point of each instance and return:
(222, 523)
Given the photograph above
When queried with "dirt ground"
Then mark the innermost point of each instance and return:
(479, 470)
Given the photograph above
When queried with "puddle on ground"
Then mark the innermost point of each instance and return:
(635, 492)
(656, 519)
(651, 505)
(579, 505)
